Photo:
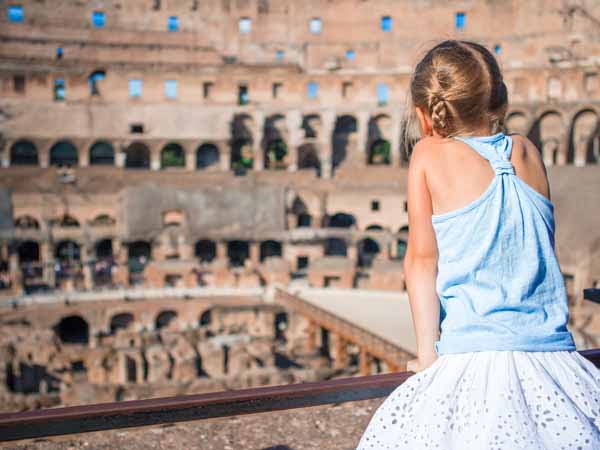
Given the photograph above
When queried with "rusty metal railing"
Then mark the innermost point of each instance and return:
(106, 416)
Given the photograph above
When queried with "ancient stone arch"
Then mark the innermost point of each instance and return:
(102, 153)
(517, 122)
(584, 145)
(64, 153)
(24, 153)
(547, 133)
(137, 156)
(172, 155)
(207, 156)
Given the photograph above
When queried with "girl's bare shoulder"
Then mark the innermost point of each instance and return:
(525, 153)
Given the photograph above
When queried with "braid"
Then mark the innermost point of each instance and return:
(441, 116)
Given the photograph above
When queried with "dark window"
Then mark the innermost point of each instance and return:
(405, 206)
(242, 94)
(19, 84)
(375, 205)
(207, 89)
(136, 128)
(279, 54)
(346, 88)
(276, 89)
(156, 5)
(93, 80)
(302, 262)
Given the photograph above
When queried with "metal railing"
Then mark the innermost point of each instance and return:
(137, 413)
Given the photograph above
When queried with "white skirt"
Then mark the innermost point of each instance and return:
(492, 400)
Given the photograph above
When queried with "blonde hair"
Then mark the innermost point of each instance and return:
(460, 85)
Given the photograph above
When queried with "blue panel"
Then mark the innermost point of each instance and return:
(171, 88)
(316, 26)
(497, 49)
(280, 54)
(350, 55)
(15, 13)
(173, 24)
(98, 19)
(135, 88)
(59, 52)
(312, 89)
(59, 89)
(386, 23)
(383, 93)
(461, 20)
(245, 25)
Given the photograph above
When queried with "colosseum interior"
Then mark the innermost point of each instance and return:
(166, 164)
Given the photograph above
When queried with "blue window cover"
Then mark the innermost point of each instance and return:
(173, 24)
(386, 23)
(312, 89)
(350, 54)
(315, 26)
(171, 88)
(59, 52)
(135, 88)
(497, 49)
(280, 54)
(98, 19)
(245, 25)
(461, 20)
(383, 93)
(15, 13)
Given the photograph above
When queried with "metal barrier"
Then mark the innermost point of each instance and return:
(106, 416)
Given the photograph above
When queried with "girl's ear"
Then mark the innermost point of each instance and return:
(425, 122)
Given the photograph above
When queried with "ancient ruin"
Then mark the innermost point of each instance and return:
(242, 144)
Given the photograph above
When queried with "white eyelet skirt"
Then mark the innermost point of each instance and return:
(492, 400)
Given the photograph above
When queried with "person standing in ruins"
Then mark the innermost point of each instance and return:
(497, 366)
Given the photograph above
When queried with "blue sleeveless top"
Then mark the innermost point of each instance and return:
(499, 282)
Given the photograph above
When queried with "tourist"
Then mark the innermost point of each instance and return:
(497, 366)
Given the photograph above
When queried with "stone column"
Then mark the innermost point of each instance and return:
(360, 156)
(340, 351)
(155, 149)
(255, 253)
(365, 361)
(15, 272)
(47, 259)
(257, 141)
(86, 268)
(326, 156)
(395, 142)
(120, 155)
(221, 250)
(190, 156)
(311, 340)
(293, 124)
(5, 159)
(44, 154)
(225, 158)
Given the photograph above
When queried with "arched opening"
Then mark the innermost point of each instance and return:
(547, 133)
(275, 155)
(67, 221)
(137, 156)
(94, 81)
(102, 266)
(64, 153)
(72, 330)
(23, 153)
(584, 142)
(311, 124)
(26, 223)
(280, 325)
(238, 252)
(207, 156)
(517, 122)
(304, 220)
(367, 251)
(205, 250)
(205, 318)
(341, 220)
(172, 155)
(308, 158)
(270, 248)
(164, 319)
(343, 138)
(102, 220)
(131, 366)
(102, 153)
(374, 227)
(379, 153)
(28, 252)
(242, 155)
(120, 321)
(68, 251)
(401, 247)
(335, 247)
(139, 254)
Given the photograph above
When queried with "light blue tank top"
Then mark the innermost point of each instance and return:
(499, 282)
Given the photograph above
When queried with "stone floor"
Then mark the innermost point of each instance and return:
(330, 427)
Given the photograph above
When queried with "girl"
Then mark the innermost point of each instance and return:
(503, 372)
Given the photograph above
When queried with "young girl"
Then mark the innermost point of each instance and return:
(503, 372)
